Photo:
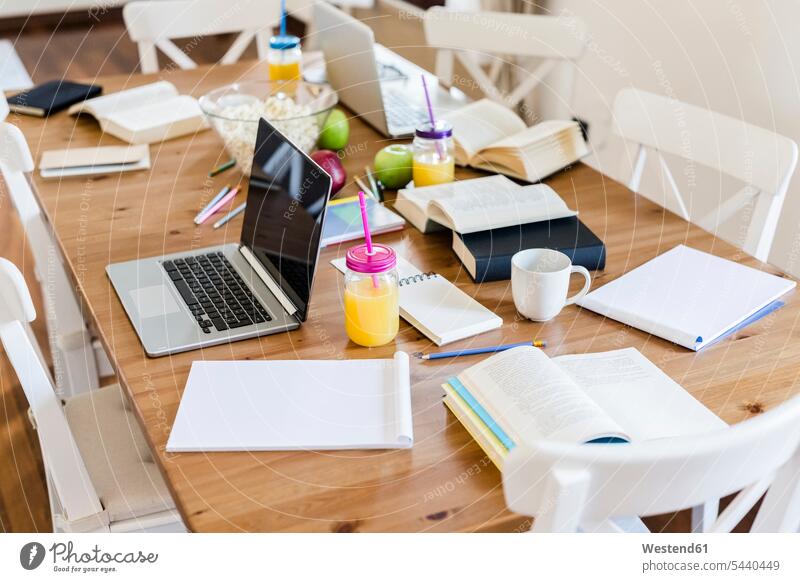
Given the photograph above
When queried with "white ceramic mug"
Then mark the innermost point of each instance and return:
(540, 282)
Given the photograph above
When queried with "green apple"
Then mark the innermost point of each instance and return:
(393, 166)
(335, 131)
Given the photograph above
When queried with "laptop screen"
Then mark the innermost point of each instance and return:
(285, 209)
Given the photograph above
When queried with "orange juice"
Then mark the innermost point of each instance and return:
(289, 71)
(428, 170)
(371, 313)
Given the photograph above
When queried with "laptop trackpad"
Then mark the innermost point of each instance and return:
(154, 301)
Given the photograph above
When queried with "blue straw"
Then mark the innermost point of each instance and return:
(283, 17)
(214, 200)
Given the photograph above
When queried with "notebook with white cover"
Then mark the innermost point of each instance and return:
(94, 160)
(687, 296)
(274, 405)
(436, 307)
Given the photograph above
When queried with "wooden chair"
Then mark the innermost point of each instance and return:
(601, 487)
(79, 359)
(100, 474)
(504, 36)
(153, 25)
(762, 159)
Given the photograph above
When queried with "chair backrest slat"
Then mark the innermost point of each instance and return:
(156, 23)
(756, 156)
(62, 459)
(473, 35)
(662, 476)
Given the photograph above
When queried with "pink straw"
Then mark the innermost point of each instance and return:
(365, 221)
(367, 236)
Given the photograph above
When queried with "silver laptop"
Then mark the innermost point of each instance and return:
(260, 286)
(379, 85)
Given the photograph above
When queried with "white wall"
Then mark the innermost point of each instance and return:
(739, 57)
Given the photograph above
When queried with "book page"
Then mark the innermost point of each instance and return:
(476, 211)
(528, 138)
(106, 105)
(154, 114)
(531, 398)
(641, 398)
(479, 125)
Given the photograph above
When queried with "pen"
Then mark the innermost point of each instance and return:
(214, 200)
(474, 351)
(222, 168)
(232, 214)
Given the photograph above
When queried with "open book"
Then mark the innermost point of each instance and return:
(491, 137)
(146, 114)
(522, 395)
(479, 204)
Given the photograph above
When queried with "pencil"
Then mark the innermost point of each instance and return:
(232, 214)
(219, 169)
(364, 188)
(374, 185)
(474, 351)
(214, 200)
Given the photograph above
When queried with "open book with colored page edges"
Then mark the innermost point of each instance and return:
(522, 396)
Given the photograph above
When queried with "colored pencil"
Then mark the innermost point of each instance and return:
(232, 214)
(363, 187)
(219, 169)
(214, 200)
(474, 351)
(373, 185)
(218, 206)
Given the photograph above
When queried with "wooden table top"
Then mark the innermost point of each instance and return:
(444, 482)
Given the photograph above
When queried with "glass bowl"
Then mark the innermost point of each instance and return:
(297, 109)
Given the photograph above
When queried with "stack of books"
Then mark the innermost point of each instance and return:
(523, 396)
(493, 218)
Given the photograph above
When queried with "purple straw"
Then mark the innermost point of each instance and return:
(431, 117)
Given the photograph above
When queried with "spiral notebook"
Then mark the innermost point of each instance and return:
(436, 307)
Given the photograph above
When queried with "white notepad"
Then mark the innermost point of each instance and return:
(687, 296)
(436, 307)
(275, 405)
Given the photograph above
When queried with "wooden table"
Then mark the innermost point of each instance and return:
(444, 482)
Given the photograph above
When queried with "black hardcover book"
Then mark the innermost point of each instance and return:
(487, 255)
(51, 97)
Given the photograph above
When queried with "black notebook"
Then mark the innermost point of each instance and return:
(51, 97)
(487, 255)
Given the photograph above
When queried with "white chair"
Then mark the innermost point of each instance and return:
(567, 487)
(503, 36)
(100, 474)
(79, 360)
(762, 159)
(153, 25)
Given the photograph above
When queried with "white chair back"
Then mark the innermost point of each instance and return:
(762, 159)
(71, 491)
(73, 355)
(470, 36)
(154, 23)
(569, 487)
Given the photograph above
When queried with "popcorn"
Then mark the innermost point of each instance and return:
(237, 125)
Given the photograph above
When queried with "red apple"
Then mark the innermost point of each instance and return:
(331, 163)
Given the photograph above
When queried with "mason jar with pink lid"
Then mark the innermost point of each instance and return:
(371, 295)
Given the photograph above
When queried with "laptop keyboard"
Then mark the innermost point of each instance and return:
(399, 113)
(214, 292)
